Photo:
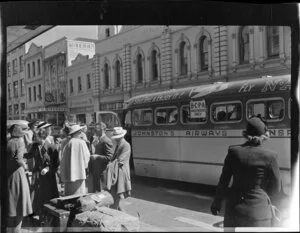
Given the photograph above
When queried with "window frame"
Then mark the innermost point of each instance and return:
(265, 100)
(29, 94)
(202, 53)
(117, 73)
(191, 123)
(168, 124)
(226, 102)
(154, 65)
(289, 107)
(269, 38)
(71, 86)
(79, 84)
(88, 80)
(140, 68)
(182, 59)
(33, 69)
(106, 76)
(242, 46)
(132, 120)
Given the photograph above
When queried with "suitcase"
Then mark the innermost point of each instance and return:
(57, 219)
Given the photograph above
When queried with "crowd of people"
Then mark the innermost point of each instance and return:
(74, 157)
(69, 160)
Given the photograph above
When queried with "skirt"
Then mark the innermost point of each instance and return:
(76, 187)
(19, 203)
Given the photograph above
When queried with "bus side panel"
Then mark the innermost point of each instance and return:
(153, 157)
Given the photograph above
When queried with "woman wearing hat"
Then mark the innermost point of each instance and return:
(19, 203)
(74, 162)
(118, 171)
(46, 161)
(255, 175)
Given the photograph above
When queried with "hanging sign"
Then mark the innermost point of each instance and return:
(198, 109)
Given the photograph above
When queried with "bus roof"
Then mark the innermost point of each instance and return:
(261, 85)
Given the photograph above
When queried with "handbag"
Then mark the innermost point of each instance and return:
(276, 214)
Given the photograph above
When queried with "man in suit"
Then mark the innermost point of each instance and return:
(256, 175)
(118, 172)
(102, 148)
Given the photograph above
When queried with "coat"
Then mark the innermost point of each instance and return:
(74, 161)
(255, 173)
(43, 187)
(19, 203)
(118, 171)
(105, 149)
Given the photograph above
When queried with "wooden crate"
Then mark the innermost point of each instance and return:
(56, 218)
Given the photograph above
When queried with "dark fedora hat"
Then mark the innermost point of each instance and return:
(256, 127)
(16, 131)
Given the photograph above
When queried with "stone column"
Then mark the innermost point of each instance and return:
(166, 57)
(96, 69)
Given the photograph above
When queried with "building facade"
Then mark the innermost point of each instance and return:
(145, 59)
(79, 90)
(57, 57)
(34, 82)
(16, 91)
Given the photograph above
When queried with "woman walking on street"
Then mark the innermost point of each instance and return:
(19, 203)
(255, 175)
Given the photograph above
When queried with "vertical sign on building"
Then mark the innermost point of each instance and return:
(61, 79)
(49, 98)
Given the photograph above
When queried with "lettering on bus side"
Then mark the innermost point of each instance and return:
(205, 133)
(271, 85)
(280, 132)
(153, 133)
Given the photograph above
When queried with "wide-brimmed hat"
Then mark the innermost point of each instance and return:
(75, 128)
(16, 131)
(118, 132)
(43, 125)
(255, 127)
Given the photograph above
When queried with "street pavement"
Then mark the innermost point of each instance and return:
(163, 206)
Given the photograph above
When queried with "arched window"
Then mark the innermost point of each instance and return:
(118, 73)
(273, 41)
(183, 58)
(203, 50)
(244, 43)
(154, 64)
(139, 68)
(106, 76)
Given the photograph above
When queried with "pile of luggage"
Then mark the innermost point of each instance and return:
(88, 212)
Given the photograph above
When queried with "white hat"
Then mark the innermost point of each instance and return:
(75, 128)
(118, 132)
(43, 124)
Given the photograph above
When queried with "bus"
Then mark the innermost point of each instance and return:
(184, 134)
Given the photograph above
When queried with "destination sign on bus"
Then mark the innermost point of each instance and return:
(198, 109)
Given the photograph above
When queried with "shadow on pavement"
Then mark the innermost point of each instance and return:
(194, 197)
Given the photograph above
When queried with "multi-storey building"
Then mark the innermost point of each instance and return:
(34, 82)
(57, 57)
(145, 59)
(16, 84)
(79, 89)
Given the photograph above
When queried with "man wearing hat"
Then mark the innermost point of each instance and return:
(102, 148)
(118, 171)
(47, 126)
(255, 174)
(74, 162)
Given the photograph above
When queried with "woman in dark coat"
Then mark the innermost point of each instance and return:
(255, 175)
(46, 161)
(19, 203)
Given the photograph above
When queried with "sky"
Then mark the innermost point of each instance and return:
(71, 32)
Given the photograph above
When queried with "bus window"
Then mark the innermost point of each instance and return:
(226, 112)
(127, 121)
(271, 110)
(141, 117)
(186, 117)
(289, 106)
(166, 116)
